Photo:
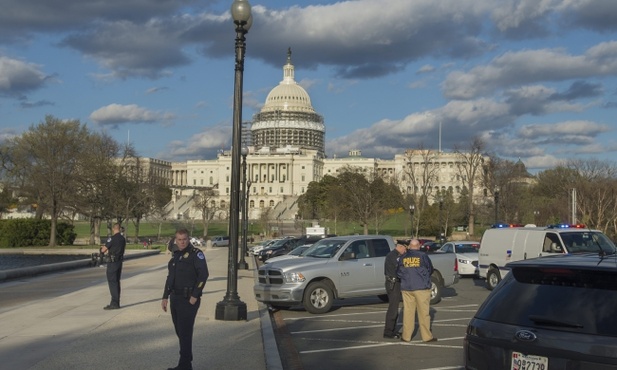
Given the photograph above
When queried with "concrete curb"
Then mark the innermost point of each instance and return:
(53, 267)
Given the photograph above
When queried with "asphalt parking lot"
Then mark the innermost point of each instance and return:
(350, 336)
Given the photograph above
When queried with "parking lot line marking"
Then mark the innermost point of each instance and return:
(347, 348)
(329, 316)
(457, 306)
(371, 344)
(336, 329)
(457, 319)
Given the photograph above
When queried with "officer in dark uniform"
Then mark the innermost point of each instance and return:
(114, 247)
(393, 288)
(186, 279)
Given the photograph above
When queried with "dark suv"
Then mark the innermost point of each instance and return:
(557, 312)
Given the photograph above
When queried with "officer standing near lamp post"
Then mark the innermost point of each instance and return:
(186, 279)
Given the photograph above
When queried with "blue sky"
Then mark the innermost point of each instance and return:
(536, 79)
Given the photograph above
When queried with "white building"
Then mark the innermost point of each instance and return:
(287, 152)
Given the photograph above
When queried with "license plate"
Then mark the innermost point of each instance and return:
(528, 362)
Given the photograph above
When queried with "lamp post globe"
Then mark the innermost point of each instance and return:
(231, 308)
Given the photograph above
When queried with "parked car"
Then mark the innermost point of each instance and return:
(220, 241)
(466, 256)
(256, 249)
(197, 242)
(430, 247)
(295, 253)
(554, 312)
(338, 268)
(279, 248)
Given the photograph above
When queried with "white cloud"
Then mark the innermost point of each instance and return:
(531, 66)
(18, 77)
(115, 114)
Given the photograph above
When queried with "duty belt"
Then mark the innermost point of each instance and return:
(393, 279)
(114, 258)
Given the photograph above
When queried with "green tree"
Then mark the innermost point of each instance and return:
(46, 160)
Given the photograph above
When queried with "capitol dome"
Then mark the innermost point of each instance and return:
(288, 118)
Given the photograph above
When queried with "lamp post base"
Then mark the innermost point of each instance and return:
(230, 310)
(243, 265)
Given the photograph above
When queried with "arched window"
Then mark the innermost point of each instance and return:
(271, 203)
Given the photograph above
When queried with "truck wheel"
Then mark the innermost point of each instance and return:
(213, 245)
(318, 297)
(492, 278)
(436, 290)
(383, 297)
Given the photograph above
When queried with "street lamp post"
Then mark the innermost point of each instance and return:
(496, 205)
(231, 307)
(441, 234)
(243, 264)
(412, 208)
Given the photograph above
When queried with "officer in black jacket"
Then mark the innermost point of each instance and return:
(393, 288)
(114, 247)
(186, 279)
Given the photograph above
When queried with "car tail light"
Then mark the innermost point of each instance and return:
(455, 265)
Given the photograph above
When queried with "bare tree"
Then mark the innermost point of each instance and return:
(422, 175)
(596, 186)
(205, 203)
(469, 164)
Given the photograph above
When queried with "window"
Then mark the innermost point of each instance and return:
(262, 204)
(202, 181)
(380, 247)
(271, 203)
(281, 189)
(227, 190)
(194, 181)
(227, 179)
(211, 180)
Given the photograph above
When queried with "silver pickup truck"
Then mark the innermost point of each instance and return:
(338, 268)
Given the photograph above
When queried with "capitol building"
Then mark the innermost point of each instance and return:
(285, 145)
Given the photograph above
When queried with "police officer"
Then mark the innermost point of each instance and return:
(115, 248)
(393, 288)
(186, 279)
(415, 269)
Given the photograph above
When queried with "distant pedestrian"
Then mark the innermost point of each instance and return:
(414, 270)
(393, 289)
(186, 279)
(149, 243)
(114, 247)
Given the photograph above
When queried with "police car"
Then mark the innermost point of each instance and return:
(502, 244)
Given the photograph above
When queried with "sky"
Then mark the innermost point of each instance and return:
(536, 80)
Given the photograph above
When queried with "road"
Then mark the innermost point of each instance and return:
(350, 336)
(25, 290)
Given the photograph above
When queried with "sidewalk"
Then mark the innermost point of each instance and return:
(73, 331)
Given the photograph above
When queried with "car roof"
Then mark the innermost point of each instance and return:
(359, 237)
(581, 261)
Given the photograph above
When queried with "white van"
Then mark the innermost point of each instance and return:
(220, 241)
(502, 245)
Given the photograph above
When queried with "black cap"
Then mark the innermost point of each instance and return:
(404, 242)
